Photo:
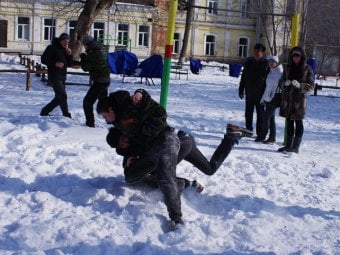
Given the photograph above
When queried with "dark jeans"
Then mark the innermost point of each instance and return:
(60, 98)
(251, 104)
(269, 122)
(165, 155)
(297, 130)
(96, 91)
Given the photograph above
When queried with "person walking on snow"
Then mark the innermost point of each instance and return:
(272, 85)
(57, 57)
(297, 80)
(94, 62)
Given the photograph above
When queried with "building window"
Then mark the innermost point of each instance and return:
(49, 29)
(98, 31)
(71, 25)
(245, 8)
(23, 28)
(243, 46)
(213, 5)
(177, 43)
(143, 36)
(210, 42)
(123, 34)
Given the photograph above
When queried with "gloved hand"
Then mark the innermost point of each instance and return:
(296, 84)
(287, 83)
(241, 95)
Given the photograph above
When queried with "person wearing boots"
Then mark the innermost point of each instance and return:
(252, 84)
(94, 62)
(272, 86)
(297, 80)
(57, 57)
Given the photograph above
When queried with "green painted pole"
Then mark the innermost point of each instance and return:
(168, 53)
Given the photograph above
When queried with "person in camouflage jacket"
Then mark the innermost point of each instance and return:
(94, 62)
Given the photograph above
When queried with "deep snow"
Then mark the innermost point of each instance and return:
(62, 188)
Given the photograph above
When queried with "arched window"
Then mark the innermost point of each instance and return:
(210, 45)
(243, 47)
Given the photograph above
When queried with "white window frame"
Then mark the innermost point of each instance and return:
(244, 8)
(98, 31)
(208, 45)
(51, 29)
(177, 43)
(70, 28)
(213, 7)
(145, 36)
(122, 33)
(25, 28)
(244, 48)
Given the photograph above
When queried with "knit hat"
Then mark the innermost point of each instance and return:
(260, 47)
(112, 137)
(64, 36)
(297, 52)
(273, 58)
(87, 39)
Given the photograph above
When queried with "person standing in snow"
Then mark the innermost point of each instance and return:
(297, 80)
(252, 84)
(272, 85)
(57, 57)
(94, 62)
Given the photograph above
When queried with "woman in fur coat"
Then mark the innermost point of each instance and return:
(297, 79)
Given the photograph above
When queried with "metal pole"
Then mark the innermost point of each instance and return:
(168, 52)
(294, 42)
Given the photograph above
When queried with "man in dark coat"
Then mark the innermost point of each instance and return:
(252, 84)
(57, 57)
(94, 62)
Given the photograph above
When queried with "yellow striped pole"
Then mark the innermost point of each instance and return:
(294, 41)
(168, 52)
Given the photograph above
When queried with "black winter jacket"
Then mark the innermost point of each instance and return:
(253, 78)
(56, 53)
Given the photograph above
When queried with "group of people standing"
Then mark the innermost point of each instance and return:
(267, 86)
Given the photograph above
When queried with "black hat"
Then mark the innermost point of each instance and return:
(87, 39)
(112, 137)
(260, 47)
(64, 36)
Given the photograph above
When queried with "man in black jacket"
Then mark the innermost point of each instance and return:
(253, 84)
(57, 57)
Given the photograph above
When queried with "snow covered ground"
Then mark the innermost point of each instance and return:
(62, 188)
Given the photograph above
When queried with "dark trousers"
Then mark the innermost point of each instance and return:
(251, 104)
(189, 152)
(60, 98)
(165, 155)
(269, 122)
(296, 129)
(96, 91)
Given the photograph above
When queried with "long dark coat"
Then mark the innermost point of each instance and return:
(294, 102)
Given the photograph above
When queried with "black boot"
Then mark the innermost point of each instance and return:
(223, 150)
(288, 145)
(296, 145)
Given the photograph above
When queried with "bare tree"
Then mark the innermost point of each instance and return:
(188, 6)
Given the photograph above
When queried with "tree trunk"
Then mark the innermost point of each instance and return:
(84, 23)
(188, 21)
